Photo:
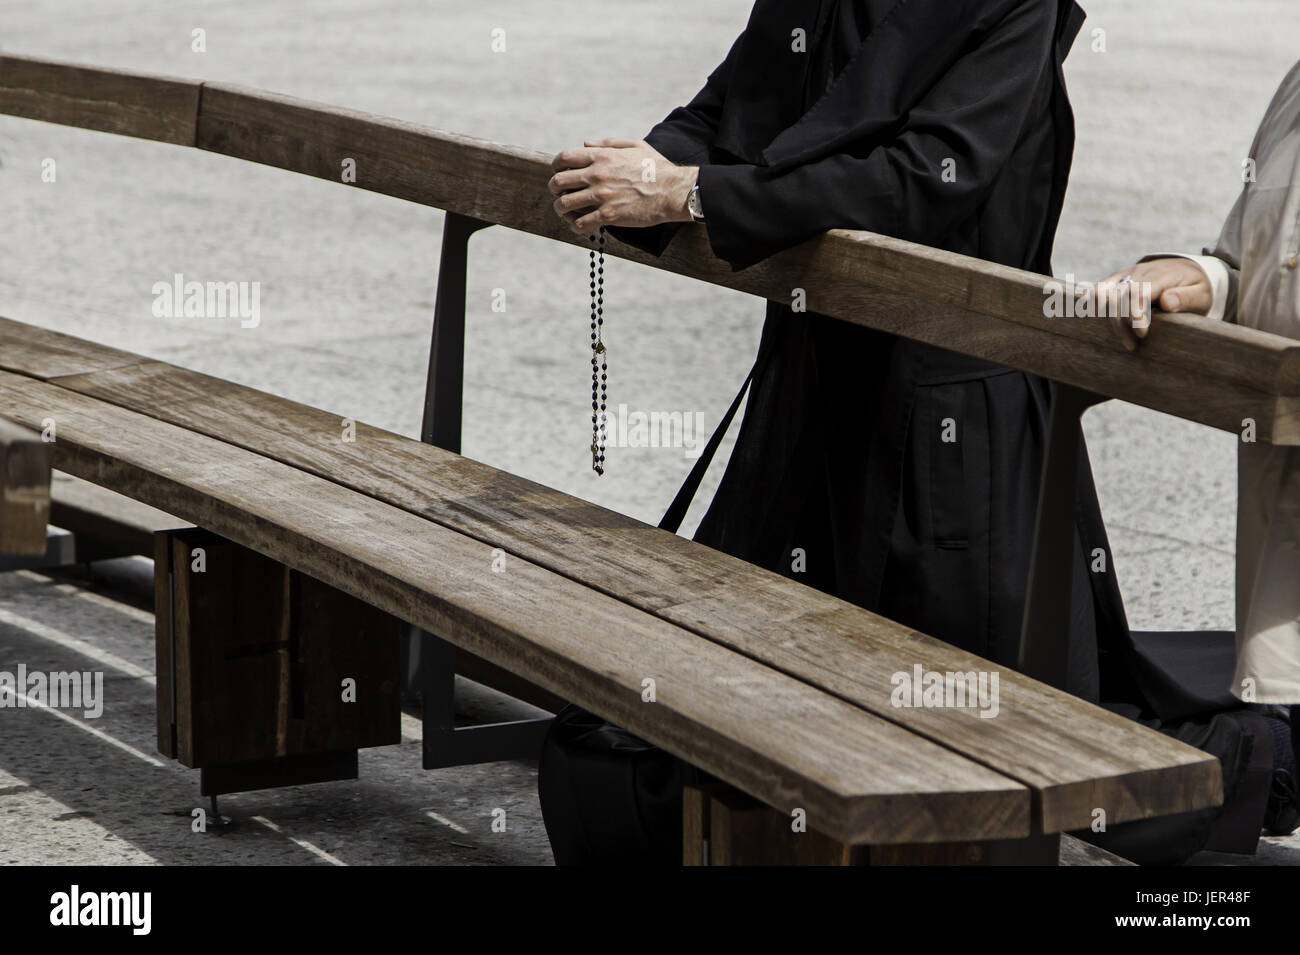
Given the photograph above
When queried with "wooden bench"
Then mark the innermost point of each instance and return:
(777, 689)
(24, 490)
(780, 690)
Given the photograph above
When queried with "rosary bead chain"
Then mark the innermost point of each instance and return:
(599, 368)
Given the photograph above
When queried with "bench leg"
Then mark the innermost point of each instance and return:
(434, 665)
(266, 676)
(24, 490)
(445, 744)
(723, 826)
(444, 388)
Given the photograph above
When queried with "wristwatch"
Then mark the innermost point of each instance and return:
(693, 204)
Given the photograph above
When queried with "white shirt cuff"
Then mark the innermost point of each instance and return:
(1215, 269)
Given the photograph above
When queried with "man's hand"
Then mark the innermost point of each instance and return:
(1176, 285)
(619, 182)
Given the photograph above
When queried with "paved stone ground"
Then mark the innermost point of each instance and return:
(1165, 115)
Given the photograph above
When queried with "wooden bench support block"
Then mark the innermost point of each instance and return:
(723, 826)
(258, 662)
(24, 490)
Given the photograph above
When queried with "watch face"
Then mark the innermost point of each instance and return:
(693, 204)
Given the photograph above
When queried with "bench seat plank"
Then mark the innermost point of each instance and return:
(38, 353)
(859, 778)
(1076, 757)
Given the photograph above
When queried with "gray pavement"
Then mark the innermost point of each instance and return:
(1165, 115)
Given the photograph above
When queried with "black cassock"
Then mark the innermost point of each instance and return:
(944, 122)
(841, 453)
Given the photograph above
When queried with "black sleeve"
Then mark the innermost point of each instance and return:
(938, 164)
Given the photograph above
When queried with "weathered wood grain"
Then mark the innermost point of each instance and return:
(1189, 366)
(721, 826)
(109, 525)
(859, 777)
(24, 490)
(111, 101)
(40, 354)
(1075, 757)
(258, 653)
(1205, 371)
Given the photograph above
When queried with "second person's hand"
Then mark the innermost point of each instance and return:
(1174, 284)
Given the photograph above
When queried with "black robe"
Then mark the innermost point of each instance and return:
(841, 453)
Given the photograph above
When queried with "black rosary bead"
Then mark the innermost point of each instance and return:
(598, 366)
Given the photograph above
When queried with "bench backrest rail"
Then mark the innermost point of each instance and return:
(1190, 367)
